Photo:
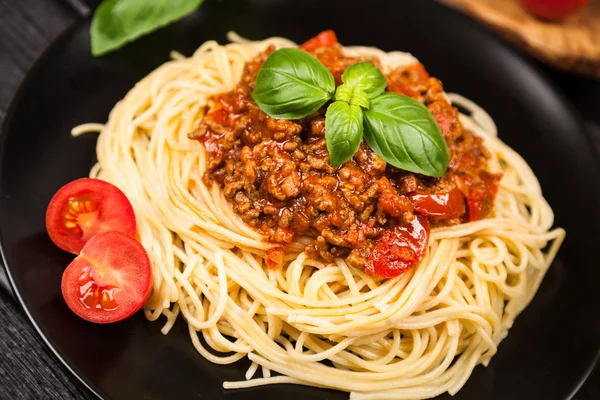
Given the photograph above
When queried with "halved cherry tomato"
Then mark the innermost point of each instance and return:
(324, 39)
(399, 249)
(84, 208)
(445, 205)
(109, 280)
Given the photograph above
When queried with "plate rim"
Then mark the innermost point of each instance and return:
(38, 64)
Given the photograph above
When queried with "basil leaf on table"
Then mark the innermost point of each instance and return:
(117, 22)
(292, 84)
(404, 133)
(343, 131)
(364, 77)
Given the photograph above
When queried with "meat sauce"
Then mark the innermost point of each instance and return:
(276, 174)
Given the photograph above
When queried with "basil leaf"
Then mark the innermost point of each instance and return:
(356, 97)
(366, 78)
(343, 131)
(404, 133)
(117, 22)
(292, 84)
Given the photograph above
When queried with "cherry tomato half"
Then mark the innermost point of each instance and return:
(554, 9)
(323, 39)
(84, 208)
(109, 280)
(445, 205)
(399, 249)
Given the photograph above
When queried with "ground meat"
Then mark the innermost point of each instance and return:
(277, 176)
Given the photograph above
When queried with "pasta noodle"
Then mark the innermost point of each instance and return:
(414, 336)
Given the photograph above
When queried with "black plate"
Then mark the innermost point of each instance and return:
(553, 344)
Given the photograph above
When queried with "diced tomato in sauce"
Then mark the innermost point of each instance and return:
(220, 116)
(276, 174)
(324, 39)
(479, 202)
(275, 256)
(446, 205)
(326, 48)
(399, 249)
(479, 193)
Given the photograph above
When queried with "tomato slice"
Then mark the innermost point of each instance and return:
(399, 249)
(439, 205)
(84, 208)
(324, 39)
(109, 280)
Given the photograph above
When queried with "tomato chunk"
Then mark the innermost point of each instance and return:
(399, 249)
(275, 257)
(480, 193)
(479, 201)
(109, 280)
(84, 208)
(439, 205)
(220, 116)
(324, 39)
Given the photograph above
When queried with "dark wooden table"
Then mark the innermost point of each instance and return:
(28, 369)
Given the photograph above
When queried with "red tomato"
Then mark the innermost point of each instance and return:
(275, 257)
(219, 116)
(323, 39)
(479, 201)
(445, 205)
(480, 193)
(554, 9)
(399, 249)
(109, 280)
(84, 208)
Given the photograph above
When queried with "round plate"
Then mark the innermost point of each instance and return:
(551, 347)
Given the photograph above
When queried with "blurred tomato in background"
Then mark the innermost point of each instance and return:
(554, 9)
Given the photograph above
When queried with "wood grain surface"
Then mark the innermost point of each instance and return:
(570, 44)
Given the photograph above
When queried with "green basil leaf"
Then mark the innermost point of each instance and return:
(404, 133)
(117, 22)
(292, 84)
(366, 78)
(352, 96)
(343, 131)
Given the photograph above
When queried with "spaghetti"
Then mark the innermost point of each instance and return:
(414, 336)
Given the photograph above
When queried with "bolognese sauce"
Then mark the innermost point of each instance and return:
(277, 176)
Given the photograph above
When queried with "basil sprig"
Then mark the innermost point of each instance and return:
(362, 78)
(293, 84)
(403, 132)
(343, 131)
